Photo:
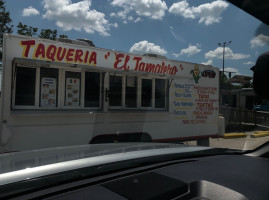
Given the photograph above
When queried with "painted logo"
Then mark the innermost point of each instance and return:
(196, 73)
(209, 73)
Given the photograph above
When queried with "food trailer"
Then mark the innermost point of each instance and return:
(66, 93)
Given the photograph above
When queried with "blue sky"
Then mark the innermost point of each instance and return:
(180, 30)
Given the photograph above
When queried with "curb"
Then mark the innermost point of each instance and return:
(234, 135)
(259, 134)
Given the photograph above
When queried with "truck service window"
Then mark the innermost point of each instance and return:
(72, 88)
(48, 87)
(146, 98)
(160, 93)
(25, 86)
(131, 92)
(115, 90)
(92, 89)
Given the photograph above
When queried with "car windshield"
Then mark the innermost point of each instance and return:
(79, 73)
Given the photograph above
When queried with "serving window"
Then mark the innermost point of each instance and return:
(135, 92)
(115, 90)
(160, 93)
(48, 87)
(146, 92)
(56, 88)
(131, 92)
(61, 87)
(72, 88)
(25, 86)
(93, 83)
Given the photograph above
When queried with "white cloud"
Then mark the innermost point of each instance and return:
(78, 16)
(154, 9)
(209, 62)
(147, 47)
(259, 41)
(249, 63)
(120, 14)
(182, 8)
(218, 53)
(231, 69)
(29, 11)
(115, 25)
(190, 51)
(112, 14)
(207, 13)
(137, 20)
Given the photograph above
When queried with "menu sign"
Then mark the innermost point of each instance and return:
(48, 92)
(72, 92)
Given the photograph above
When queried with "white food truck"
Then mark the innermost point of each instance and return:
(66, 93)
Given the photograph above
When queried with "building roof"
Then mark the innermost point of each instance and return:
(239, 79)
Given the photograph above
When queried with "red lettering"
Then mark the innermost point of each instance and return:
(26, 47)
(150, 67)
(93, 58)
(86, 57)
(125, 67)
(185, 121)
(159, 67)
(78, 56)
(60, 56)
(165, 69)
(118, 60)
(40, 51)
(170, 70)
(175, 70)
(205, 106)
(163, 66)
(70, 55)
(141, 66)
(51, 51)
(137, 59)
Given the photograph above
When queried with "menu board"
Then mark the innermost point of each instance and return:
(131, 81)
(72, 92)
(48, 92)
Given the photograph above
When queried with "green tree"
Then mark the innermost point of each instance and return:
(248, 84)
(23, 29)
(63, 36)
(5, 24)
(223, 81)
(48, 34)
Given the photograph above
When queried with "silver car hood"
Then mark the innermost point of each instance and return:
(26, 165)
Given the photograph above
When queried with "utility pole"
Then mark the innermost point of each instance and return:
(224, 44)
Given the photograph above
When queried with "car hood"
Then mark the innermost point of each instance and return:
(33, 158)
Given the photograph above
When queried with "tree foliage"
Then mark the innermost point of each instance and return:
(5, 21)
(63, 36)
(5, 24)
(48, 34)
(23, 29)
(248, 84)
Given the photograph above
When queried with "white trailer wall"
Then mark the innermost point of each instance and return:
(191, 96)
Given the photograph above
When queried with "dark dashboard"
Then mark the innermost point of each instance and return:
(223, 177)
